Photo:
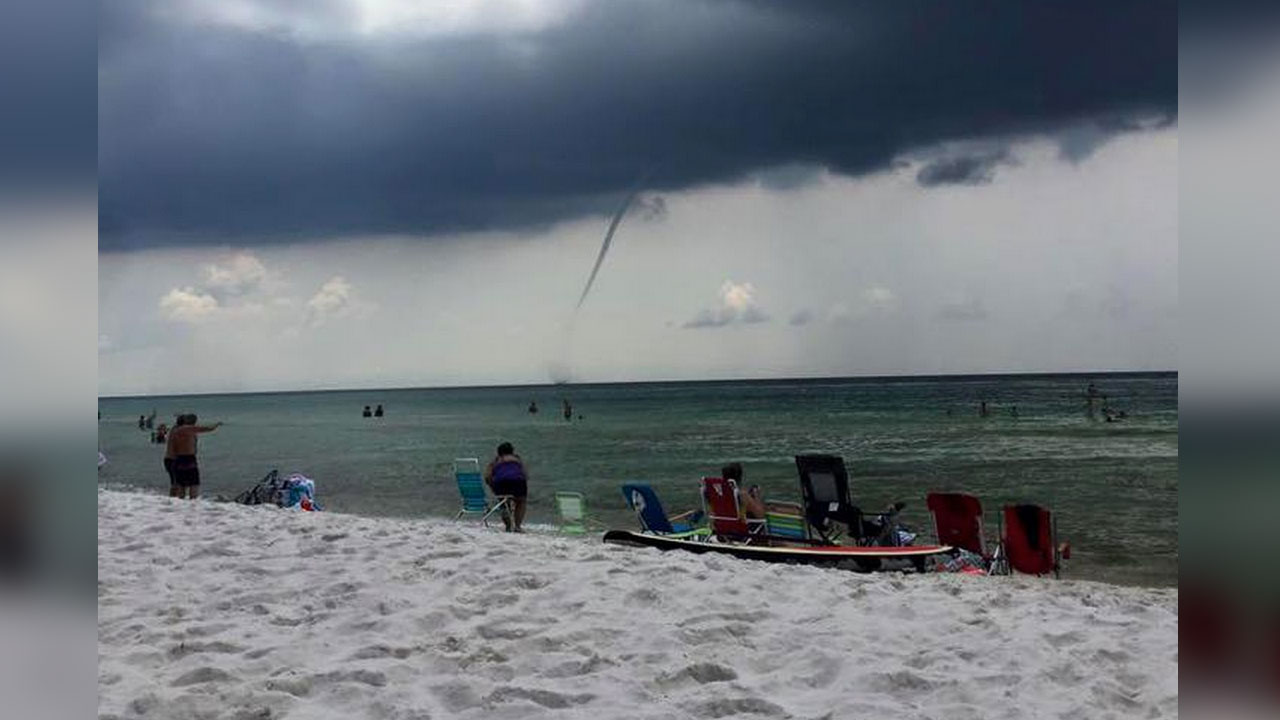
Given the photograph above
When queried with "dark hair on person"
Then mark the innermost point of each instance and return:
(191, 418)
(179, 420)
(732, 471)
(506, 449)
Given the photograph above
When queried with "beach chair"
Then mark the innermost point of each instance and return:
(724, 513)
(957, 521)
(1029, 541)
(472, 489)
(644, 501)
(785, 521)
(824, 486)
(267, 490)
(573, 512)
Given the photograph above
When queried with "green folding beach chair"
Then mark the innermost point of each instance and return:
(573, 512)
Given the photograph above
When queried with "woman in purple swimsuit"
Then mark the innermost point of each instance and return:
(506, 475)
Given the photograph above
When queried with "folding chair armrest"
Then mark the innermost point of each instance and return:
(693, 516)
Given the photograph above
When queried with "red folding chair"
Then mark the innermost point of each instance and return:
(957, 521)
(720, 501)
(1029, 541)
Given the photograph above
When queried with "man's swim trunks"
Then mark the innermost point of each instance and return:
(185, 471)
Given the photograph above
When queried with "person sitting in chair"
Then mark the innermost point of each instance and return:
(506, 476)
(750, 501)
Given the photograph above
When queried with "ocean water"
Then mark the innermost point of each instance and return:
(1112, 485)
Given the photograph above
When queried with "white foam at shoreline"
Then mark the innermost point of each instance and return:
(218, 610)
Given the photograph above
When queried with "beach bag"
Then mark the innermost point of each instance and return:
(964, 561)
(299, 491)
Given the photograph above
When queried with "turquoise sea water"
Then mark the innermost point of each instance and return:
(1114, 486)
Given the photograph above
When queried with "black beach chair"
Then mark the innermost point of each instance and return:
(824, 485)
(267, 491)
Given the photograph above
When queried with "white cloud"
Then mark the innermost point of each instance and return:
(188, 305)
(331, 20)
(874, 300)
(737, 304)
(968, 309)
(235, 289)
(879, 298)
(242, 274)
(738, 297)
(839, 313)
(331, 300)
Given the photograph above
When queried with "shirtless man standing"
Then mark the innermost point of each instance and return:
(182, 448)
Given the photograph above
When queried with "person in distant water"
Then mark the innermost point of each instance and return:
(367, 412)
(151, 419)
(1091, 395)
(533, 407)
(142, 422)
(186, 472)
(174, 491)
(161, 434)
(506, 475)
(1014, 411)
(982, 410)
(377, 411)
(568, 410)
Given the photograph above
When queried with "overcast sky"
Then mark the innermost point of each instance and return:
(378, 192)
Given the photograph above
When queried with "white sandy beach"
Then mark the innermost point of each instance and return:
(209, 610)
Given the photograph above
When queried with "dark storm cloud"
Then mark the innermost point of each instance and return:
(215, 132)
(706, 319)
(1077, 143)
(47, 101)
(803, 316)
(720, 317)
(973, 169)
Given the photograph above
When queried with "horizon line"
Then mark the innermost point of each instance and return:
(800, 378)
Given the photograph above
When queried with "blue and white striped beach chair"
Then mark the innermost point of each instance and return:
(475, 501)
